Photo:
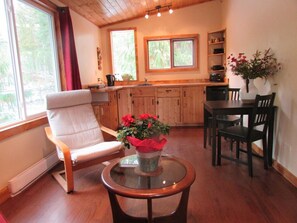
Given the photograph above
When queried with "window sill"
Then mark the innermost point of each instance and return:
(180, 69)
(22, 127)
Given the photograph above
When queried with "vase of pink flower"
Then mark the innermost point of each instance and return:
(261, 65)
(147, 134)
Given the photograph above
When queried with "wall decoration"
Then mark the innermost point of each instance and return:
(99, 58)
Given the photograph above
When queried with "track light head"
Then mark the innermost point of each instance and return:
(158, 8)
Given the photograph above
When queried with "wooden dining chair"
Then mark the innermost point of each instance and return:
(256, 130)
(226, 120)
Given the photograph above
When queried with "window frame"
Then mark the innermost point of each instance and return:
(28, 121)
(172, 39)
(135, 46)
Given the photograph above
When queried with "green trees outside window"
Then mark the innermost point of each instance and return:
(28, 66)
(173, 53)
(183, 53)
(123, 51)
(159, 54)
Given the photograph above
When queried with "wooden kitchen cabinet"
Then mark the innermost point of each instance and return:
(168, 105)
(124, 103)
(192, 104)
(143, 101)
(107, 113)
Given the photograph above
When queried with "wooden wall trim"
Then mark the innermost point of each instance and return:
(4, 195)
(22, 127)
(285, 173)
(278, 167)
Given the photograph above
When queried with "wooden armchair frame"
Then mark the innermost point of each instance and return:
(68, 182)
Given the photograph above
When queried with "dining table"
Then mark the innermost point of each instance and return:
(232, 107)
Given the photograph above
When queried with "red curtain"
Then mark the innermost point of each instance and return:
(69, 52)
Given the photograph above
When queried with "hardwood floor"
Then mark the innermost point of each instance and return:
(219, 194)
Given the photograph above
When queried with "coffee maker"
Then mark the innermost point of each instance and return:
(110, 79)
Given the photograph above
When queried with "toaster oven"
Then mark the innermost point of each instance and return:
(216, 77)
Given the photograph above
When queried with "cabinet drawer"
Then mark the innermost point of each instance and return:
(168, 92)
(146, 91)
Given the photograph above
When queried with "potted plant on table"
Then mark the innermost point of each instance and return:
(262, 65)
(127, 77)
(146, 133)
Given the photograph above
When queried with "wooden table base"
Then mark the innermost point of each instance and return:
(178, 216)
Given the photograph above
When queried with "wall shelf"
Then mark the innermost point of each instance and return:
(216, 41)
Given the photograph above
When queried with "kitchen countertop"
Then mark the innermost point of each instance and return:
(115, 88)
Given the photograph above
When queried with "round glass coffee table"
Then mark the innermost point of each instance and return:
(176, 176)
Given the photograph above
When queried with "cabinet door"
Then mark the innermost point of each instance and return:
(168, 110)
(112, 111)
(124, 103)
(192, 105)
(165, 92)
(107, 114)
(143, 91)
(142, 105)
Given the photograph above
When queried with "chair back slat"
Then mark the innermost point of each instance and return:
(233, 94)
(262, 111)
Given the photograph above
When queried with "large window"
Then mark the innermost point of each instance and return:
(171, 53)
(123, 53)
(28, 64)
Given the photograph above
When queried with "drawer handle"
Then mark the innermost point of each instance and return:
(168, 91)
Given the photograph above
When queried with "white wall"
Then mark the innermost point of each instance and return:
(258, 25)
(19, 152)
(87, 39)
(200, 19)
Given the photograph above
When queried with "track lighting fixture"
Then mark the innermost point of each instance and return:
(158, 8)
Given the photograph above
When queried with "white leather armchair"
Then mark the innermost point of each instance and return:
(77, 135)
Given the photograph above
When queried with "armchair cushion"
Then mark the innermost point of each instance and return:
(88, 153)
(65, 99)
(76, 126)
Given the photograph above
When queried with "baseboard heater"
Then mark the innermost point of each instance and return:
(20, 182)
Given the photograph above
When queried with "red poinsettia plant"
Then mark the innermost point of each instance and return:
(146, 133)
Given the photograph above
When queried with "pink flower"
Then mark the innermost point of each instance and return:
(233, 59)
(149, 125)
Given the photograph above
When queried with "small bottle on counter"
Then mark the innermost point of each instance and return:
(100, 83)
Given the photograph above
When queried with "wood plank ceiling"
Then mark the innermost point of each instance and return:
(107, 12)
